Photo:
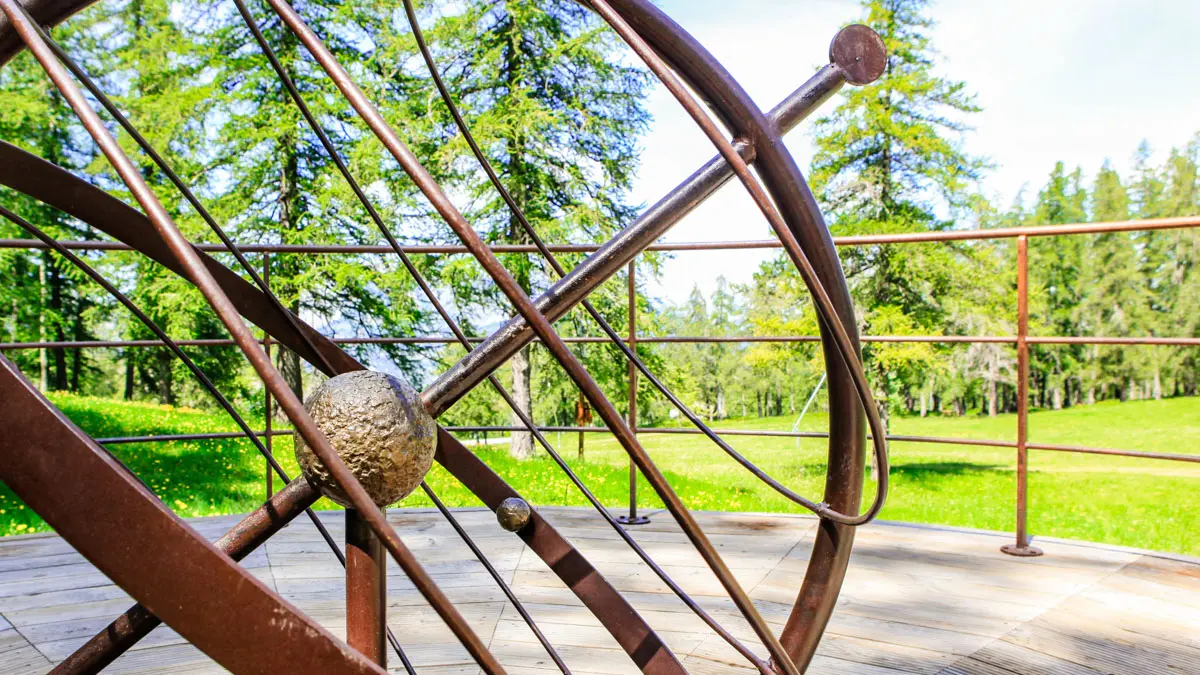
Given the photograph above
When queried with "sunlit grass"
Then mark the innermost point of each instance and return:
(1144, 503)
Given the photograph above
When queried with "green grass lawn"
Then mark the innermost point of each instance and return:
(1134, 502)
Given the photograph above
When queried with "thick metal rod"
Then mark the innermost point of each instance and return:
(366, 590)
(1022, 547)
(618, 251)
(137, 622)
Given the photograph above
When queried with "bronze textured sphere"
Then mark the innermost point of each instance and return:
(513, 514)
(377, 424)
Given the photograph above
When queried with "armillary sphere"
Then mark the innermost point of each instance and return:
(197, 588)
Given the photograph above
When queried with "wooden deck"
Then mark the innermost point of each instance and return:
(917, 599)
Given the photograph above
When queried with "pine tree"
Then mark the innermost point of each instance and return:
(549, 97)
(889, 158)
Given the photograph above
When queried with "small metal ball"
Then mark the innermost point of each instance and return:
(513, 514)
(378, 426)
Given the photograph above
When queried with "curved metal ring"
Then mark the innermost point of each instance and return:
(787, 187)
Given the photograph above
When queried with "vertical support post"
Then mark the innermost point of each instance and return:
(633, 518)
(1021, 547)
(366, 590)
(267, 414)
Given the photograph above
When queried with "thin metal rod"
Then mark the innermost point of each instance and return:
(518, 297)
(496, 576)
(463, 339)
(184, 190)
(267, 421)
(199, 275)
(824, 305)
(1022, 547)
(1147, 225)
(633, 366)
(331, 151)
(649, 339)
(624, 246)
(635, 363)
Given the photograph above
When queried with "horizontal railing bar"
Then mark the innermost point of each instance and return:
(668, 339)
(1118, 453)
(117, 440)
(851, 240)
(939, 440)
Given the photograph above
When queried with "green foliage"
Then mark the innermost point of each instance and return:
(948, 485)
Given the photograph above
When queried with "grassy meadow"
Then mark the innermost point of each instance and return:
(1133, 502)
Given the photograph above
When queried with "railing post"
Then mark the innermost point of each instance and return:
(1021, 547)
(633, 518)
(366, 590)
(266, 275)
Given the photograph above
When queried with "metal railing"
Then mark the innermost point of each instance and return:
(1022, 340)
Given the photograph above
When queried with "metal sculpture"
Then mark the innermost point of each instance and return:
(198, 589)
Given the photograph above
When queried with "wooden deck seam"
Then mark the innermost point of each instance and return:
(1044, 612)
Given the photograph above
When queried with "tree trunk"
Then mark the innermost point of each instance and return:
(43, 334)
(288, 363)
(166, 389)
(1157, 388)
(522, 370)
(128, 375)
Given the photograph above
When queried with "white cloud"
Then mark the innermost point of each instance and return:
(1071, 80)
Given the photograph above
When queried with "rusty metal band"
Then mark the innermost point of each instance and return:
(418, 278)
(202, 278)
(132, 538)
(632, 632)
(137, 622)
(647, 339)
(806, 228)
(59, 188)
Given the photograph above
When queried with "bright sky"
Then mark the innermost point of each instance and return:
(1072, 80)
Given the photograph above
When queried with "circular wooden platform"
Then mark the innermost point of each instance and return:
(917, 599)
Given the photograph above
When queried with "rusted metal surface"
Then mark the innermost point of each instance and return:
(110, 517)
(366, 590)
(47, 13)
(1022, 547)
(856, 56)
(628, 628)
(137, 622)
